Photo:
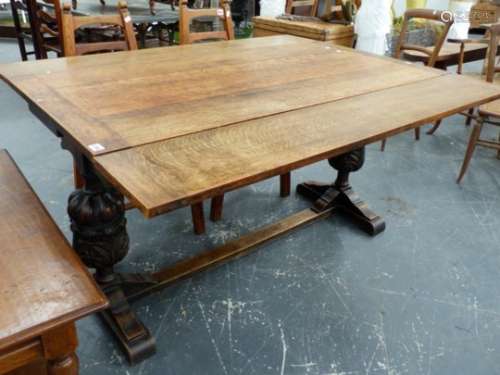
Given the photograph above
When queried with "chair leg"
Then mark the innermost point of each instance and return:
(78, 179)
(498, 152)
(434, 128)
(216, 207)
(198, 218)
(417, 134)
(476, 131)
(285, 182)
(468, 121)
(382, 145)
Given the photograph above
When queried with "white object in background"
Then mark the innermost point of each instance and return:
(373, 23)
(461, 10)
(272, 8)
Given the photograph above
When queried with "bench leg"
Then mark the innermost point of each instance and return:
(100, 238)
(340, 194)
(59, 347)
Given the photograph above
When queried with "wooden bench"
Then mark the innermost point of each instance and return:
(44, 287)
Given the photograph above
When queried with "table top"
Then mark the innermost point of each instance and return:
(126, 99)
(43, 283)
(204, 119)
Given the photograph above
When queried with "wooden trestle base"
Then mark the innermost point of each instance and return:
(135, 339)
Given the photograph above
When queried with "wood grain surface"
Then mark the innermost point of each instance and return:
(43, 284)
(114, 101)
(204, 119)
(169, 174)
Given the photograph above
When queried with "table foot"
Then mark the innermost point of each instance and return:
(340, 196)
(134, 338)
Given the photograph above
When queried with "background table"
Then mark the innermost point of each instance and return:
(450, 54)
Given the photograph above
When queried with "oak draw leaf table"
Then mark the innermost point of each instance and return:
(170, 127)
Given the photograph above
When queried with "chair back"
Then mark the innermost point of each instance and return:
(492, 66)
(122, 21)
(443, 17)
(49, 26)
(186, 15)
(291, 5)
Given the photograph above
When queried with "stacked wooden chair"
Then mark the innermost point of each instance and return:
(488, 113)
(44, 33)
(432, 53)
(49, 31)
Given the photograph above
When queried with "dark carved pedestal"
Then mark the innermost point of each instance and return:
(100, 238)
(98, 222)
(340, 194)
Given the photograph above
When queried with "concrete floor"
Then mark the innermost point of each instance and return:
(421, 298)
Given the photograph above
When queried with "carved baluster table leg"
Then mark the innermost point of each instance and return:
(340, 194)
(100, 238)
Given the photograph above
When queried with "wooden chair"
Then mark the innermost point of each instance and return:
(187, 36)
(44, 27)
(432, 54)
(122, 21)
(187, 15)
(44, 286)
(291, 5)
(488, 113)
(50, 26)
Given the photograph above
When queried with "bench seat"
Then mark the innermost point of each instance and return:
(44, 287)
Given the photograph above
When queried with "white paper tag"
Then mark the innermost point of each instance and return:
(127, 19)
(228, 14)
(96, 147)
(220, 12)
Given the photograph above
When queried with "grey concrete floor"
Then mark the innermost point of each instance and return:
(421, 298)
